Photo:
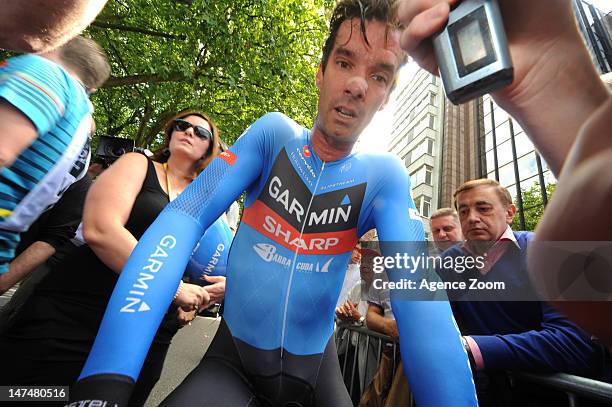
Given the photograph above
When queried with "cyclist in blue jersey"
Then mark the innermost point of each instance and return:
(308, 199)
(45, 126)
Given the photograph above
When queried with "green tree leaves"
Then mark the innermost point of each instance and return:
(235, 60)
(533, 206)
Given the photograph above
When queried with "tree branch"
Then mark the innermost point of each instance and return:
(131, 120)
(114, 82)
(158, 126)
(99, 24)
(148, 111)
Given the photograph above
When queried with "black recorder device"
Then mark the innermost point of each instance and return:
(472, 51)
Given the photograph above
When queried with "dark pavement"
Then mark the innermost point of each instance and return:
(186, 351)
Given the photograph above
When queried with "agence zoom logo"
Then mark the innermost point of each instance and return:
(268, 253)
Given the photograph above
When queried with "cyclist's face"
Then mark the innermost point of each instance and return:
(357, 80)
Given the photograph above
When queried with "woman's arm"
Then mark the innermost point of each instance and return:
(107, 209)
(104, 221)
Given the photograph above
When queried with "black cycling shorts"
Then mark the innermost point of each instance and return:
(231, 375)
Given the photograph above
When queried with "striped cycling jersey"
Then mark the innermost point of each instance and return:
(58, 106)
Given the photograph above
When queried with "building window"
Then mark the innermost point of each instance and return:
(423, 205)
(488, 124)
(489, 142)
(426, 209)
(500, 116)
(502, 132)
(504, 153)
(517, 167)
(421, 125)
(490, 159)
(527, 166)
(486, 105)
(407, 160)
(422, 176)
(426, 147)
(523, 145)
(506, 175)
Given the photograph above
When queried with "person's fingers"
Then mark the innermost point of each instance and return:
(416, 37)
(423, 26)
(205, 300)
(409, 9)
(197, 295)
(350, 310)
(185, 317)
(214, 279)
(216, 288)
(215, 291)
(424, 56)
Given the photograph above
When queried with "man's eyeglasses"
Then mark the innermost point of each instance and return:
(201, 132)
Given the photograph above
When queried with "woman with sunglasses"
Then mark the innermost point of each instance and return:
(51, 339)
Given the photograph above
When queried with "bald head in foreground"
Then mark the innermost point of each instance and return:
(40, 26)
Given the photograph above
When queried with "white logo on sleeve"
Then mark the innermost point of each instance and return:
(134, 302)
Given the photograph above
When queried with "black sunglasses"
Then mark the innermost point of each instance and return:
(201, 132)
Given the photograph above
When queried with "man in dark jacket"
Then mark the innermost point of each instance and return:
(505, 326)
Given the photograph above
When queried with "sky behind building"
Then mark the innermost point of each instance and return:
(604, 5)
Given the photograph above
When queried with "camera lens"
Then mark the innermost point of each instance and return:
(117, 151)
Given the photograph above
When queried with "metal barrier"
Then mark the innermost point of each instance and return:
(362, 340)
(574, 387)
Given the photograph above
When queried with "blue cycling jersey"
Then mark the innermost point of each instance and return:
(209, 258)
(287, 262)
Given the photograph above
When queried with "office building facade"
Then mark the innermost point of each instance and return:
(415, 136)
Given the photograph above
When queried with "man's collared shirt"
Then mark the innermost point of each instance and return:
(496, 251)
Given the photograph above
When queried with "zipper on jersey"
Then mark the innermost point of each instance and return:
(294, 262)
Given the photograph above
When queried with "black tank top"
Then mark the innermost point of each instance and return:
(71, 300)
(149, 203)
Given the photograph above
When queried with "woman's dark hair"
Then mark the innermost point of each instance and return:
(163, 153)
